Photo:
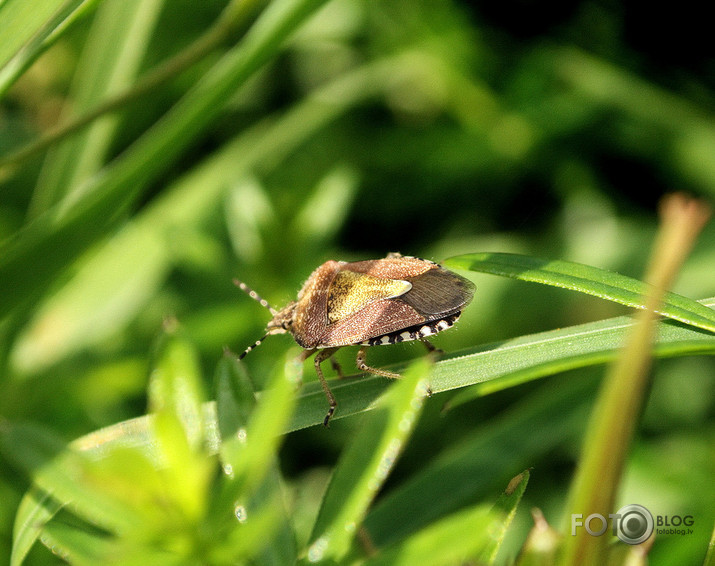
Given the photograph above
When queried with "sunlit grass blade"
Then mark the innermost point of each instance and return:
(29, 28)
(107, 290)
(457, 539)
(497, 366)
(505, 506)
(175, 389)
(252, 538)
(84, 548)
(75, 546)
(85, 484)
(332, 196)
(262, 515)
(35, 509)
(247, 513)
(366, 463)
(233, 21)
(586, 279)
(710, 556)
(235, 397)
(175, 400)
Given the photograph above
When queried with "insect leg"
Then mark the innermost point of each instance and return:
(336, 367)
(362, 366)
(431, 347)
(433, 352)
(320, 357)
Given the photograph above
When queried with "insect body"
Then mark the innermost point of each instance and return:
(368, 303)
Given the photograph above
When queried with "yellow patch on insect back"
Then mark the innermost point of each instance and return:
(350, 292)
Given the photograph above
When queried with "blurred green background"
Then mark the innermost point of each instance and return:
(428, 128)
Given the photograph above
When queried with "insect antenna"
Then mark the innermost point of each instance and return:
(253, 346)
(256, 297)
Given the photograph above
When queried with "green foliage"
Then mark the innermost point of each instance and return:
(152, 151)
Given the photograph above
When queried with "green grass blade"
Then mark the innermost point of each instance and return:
(586, 279)
(620, 401)
(35, 509)
(82, 548)
(275, 544)
(250, 431)
(251, 540)
(248, 453)
(235, 397)
(333, 196)
(710, 556)
(73, 545)
(251, 451)
(506, 505)
(365, 465)
(29, 28)
(109, 62)
(175, 399)
(175, 389)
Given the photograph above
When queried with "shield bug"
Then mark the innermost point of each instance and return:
(367, 303)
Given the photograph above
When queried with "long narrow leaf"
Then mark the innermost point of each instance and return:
(36, 508)
(612, 423)
(251, 487)
(29, 28)
(507, 503)
(489, 368)
(175, 399)
(496, 366)
(109, 62)
(586, 279)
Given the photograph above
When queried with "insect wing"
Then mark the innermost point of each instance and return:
(438, 293)
(375, 319)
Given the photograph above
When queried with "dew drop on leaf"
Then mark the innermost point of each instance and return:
(240, 512)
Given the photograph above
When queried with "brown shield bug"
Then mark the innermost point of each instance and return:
(368, 303)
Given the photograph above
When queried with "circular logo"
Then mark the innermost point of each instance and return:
(635, 524)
